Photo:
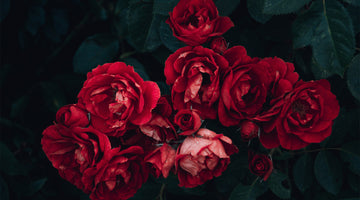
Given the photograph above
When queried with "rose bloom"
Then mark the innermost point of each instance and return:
(72, 115)
(161, 160)
(306, 117)
(244, 89)
(118, 175)
(248, 130)
(72, 151)
(200, 158)
(194, 74)
(260, 165)
(117, 94)
(195, 21)
(188, 120)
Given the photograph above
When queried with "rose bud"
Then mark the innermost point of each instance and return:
(117, 94)
(307, 115)
(194, 74)
(72, 115)
(188, 120)
(260, 165)
(194, 22)
(161, 160)
(248, 130)
(118, 175)
(200, 158)
(72, 151)
(219, 45)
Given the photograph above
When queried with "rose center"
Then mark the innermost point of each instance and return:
(259, 166)
(194, 20)
(185, 120)
(301, 107)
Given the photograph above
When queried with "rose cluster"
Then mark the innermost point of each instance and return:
(122, 129)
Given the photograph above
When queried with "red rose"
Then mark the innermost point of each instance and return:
(282, 74)
(248, 130)
(260, 164)
(308, 114)
(195, 21)
(188, 120)
(244, 88)
(117, 94)
(72, 151)
(162, 159)
(219, 45)
(118, 175)
(160, 128)
(194, 73)
(200, 158)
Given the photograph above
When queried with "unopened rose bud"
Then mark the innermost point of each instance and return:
(219, 45)
(260, 164)
(248, 130)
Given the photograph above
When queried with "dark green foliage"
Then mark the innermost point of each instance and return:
(277, 7)
(328, 171)
(95, 50)
(279, 185)
(48, 47)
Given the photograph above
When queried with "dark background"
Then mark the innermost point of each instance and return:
(48, 46)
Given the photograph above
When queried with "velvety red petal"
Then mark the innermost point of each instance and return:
(151, 96)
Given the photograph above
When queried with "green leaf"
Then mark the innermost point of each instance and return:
(255, 8)
(4, 9)
(355, 17)
(35, 19)
(333, 42)
(143, 27)
(303, 173)
(351, 155)
(276, 185)
(328, 171)
(353, 2)
(9, 164)
(138, 67)
(95, 50)
(163, 7)
(319, 71)
(226, 7)
(4, 190)
(353, 77)
(277, 7)
(34, 187)
(248, 192)
(304, 27)
(168, 39)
